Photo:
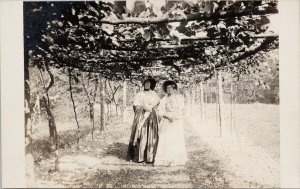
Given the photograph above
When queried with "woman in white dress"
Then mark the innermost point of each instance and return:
(171, 149)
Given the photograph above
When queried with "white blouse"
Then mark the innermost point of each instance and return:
(147, 99)
(171, 106)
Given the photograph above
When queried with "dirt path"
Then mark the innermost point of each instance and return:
(101, 163)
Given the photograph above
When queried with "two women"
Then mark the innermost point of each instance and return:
(158, 127)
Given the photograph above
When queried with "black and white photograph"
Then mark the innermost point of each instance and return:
(151, 94)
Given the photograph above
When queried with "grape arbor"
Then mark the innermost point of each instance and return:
(189, 41)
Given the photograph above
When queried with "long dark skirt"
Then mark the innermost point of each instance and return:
(144, 148)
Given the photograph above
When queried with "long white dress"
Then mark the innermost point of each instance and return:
(171, 149)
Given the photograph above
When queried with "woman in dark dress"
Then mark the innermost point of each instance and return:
(144, 134)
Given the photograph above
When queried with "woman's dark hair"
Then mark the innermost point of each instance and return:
(152, 83)
(167, 83)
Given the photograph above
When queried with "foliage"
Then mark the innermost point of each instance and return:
(263, 81)
(91, 37)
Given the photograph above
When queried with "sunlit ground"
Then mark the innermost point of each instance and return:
(247, 156)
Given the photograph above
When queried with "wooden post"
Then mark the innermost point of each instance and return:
(74, 110)
(201, 100)
(205, 102)
(231, 107)
(105, 111)
(216, 102)
(102, 101)
(220, 102)
(134, 90)
(39, 111)
(124, 99)
(110, 113)
(187, 92)
(191, 101)
(233, 117)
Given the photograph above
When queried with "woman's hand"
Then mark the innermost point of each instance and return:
(155, 107)
(147, 109)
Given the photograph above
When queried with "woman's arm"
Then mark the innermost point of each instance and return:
(161, 107)
(168, 117)
(179, 112)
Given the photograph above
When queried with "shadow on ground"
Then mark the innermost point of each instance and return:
(108, 167)
(203, 170)
(118, 150)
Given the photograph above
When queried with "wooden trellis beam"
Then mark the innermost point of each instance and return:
(104, 64)
(137, 59)
(163, 47)
(109, 67)
(112, 61)
(168, 39)
(248, 54)
(200, 38)
(192, 17)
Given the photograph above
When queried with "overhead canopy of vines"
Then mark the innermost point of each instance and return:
(186, 40)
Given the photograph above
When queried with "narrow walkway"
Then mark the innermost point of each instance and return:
(101, 163)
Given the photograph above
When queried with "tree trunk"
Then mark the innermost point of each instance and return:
(116, 108)
(109, 113)
(220, 101)
(51, 118)
(74, 109)
(36, 113)
(52, 130)
(29, 169)
(51, 121)
(113, 98)
(124, 100)
(39, 111)
(102, 104)
(211, 95)
(197, 98)
(106, 118)
(254, 94)
(91, 104)
(199, 101)
(196, 87)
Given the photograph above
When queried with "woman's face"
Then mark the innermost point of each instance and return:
(170, 89)
(147, 85)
